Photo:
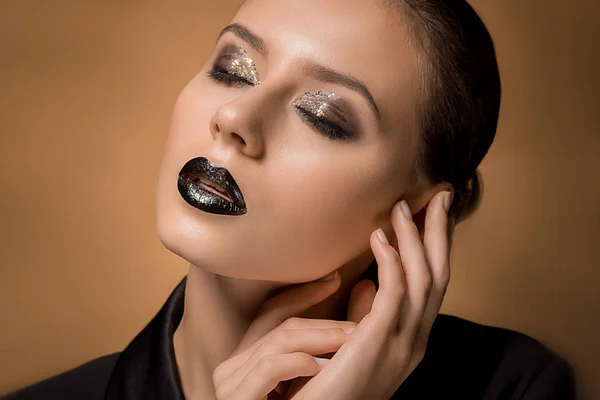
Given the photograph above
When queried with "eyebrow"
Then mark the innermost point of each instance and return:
(320, 72)
(247, 36)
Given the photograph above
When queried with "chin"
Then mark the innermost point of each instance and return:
(211, 242)
(184, 232)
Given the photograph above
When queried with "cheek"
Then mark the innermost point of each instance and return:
(329, 208)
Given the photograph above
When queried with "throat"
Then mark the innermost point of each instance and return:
(196, 380)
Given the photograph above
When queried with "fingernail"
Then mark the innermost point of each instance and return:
(330, 276)
(406, 210)
(447, 200)
(321, 361)
(382, 237)
(349, 330)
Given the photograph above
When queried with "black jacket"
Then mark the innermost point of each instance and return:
(464, 360)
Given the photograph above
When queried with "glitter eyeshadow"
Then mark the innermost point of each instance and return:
(317, 103)
(243, 66)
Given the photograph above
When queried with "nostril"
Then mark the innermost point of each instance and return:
(215, 130)
(241, 139)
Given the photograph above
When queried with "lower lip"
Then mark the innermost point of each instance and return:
(204, 200)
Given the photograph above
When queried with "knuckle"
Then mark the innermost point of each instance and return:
(292, 323)
(266, 363)
(278, 339)
(305, 359)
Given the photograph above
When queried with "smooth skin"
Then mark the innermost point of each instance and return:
(313, 202)
(391, 325)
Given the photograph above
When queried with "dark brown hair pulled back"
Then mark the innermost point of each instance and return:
(461, 98)
(462, 95)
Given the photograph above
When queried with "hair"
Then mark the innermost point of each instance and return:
(461, 98)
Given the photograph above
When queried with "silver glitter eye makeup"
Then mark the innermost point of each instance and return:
(317, 103)
(243, 66)
(326, 113)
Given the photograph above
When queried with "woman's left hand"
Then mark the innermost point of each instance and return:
(390, 341)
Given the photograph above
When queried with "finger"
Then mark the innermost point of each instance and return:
(416, 269)
(229, 366)
(310, 341)
(437, 250)
(269, 371)
(361, 300)
(292, 301)
(390, 296)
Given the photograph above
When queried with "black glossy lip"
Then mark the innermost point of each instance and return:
(204, 200)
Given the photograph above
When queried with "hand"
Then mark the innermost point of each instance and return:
(390, 341)
(387, 345)
(276, 348)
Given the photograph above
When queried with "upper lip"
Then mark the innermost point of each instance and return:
(219, 175)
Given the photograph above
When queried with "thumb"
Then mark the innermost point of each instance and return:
(292, 301)
(361, 300)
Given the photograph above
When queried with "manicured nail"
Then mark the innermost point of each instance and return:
(381, 235)
(406, 210)
(330, 276)
(321, 361)
(349, 330)
(447, 200)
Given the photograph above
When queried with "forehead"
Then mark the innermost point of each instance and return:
(362, 38)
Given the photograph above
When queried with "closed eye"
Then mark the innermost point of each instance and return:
(325, 126)
(322, 125)
(221, 75)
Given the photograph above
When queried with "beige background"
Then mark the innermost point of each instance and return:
(86, 92)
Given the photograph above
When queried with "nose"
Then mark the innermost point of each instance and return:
(235, 126)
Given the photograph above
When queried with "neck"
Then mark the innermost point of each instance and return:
(218, 310)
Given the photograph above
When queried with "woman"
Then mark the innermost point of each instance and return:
(313, 125)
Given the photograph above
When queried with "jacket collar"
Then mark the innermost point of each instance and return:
(146, 369)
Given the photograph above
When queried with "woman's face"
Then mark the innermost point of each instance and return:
(312, 200)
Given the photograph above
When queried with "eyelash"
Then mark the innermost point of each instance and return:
(326, 127)
(221, 75)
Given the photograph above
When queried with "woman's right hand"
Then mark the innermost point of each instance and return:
(280, 346)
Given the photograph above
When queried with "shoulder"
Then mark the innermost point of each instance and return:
(86, 381)
(473, 360)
